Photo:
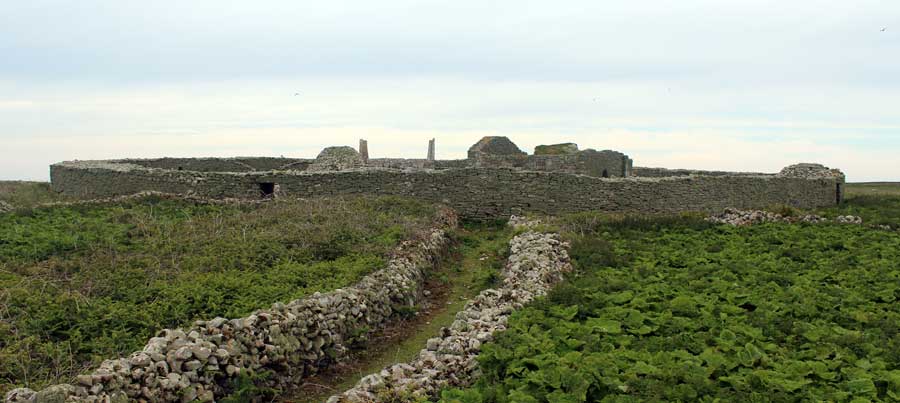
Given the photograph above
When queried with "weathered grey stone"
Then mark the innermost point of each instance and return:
(364, 151)
(536, 263)
(188, 364)
(21, 395)
(337, 159)
(556, 149)
(54, 394)
(476, 193)
(494, 145)
(811, 171)
(498, 180)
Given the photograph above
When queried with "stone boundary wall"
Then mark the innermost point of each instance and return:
(476, 193)
(536, 263)
(236, 164)
(586, 162)
(262, 164)
(400, 163)
(291, 340)
(665, 172)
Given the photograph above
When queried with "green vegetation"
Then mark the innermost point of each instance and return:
(876, 203)
(478, 257)
(27, 194)
(677, 309)
(83, 283)
(872, 189)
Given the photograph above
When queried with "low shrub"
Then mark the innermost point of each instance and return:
(83, 283)
(700, 313)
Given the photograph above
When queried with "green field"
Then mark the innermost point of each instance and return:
(677, 309)
(661, 309)
(27, 194)
(83, 283)
(873, 189)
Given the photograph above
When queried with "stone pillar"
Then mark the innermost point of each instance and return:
(364, 150)
(431, 150)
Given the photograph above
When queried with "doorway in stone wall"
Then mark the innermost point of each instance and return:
(839, 194)
(267, 189)
(605, 174)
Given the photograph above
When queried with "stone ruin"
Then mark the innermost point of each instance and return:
(497, 179)
(338, 159)
(500, 152)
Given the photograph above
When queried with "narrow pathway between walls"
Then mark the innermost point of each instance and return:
(473, 266)
(536, 263)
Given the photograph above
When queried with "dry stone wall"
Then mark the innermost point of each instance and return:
(537, 262)
(477, 193)
(291, 340)
(645, 172)
(400, 163)
(239, 164)
(607, 163)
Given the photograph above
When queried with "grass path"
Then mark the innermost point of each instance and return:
(477, 261)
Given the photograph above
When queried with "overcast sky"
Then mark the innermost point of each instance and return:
(707, 84)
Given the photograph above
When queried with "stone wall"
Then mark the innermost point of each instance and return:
(400, 163)
(536, 263)
(292, 341)
(645, 172)
(607, 164)
(238, 164)
(478, 193)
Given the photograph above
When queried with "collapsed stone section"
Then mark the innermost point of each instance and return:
(811, 171)
(292, 340)
(536, 263)
(741, 218)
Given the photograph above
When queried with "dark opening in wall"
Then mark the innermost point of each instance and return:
(267, 189)
(840, 196)
(605, 174)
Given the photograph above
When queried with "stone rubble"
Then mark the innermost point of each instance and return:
(5, 207)
(523, 222)
(537, 262)
(292, 340)
(738, 217)
(812, 171)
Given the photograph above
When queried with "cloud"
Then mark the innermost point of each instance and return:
(747, 84)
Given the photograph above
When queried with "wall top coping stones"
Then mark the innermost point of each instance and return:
(118, 166)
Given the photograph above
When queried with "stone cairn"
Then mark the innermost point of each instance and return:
(292, 341)
(338, 159)
(737, 217)
(537, 262)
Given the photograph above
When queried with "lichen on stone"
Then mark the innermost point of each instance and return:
(337, 159)
(556, 149)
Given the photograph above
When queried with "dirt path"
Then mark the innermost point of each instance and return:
(475, 264)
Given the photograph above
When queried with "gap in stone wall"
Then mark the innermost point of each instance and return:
(267, 189)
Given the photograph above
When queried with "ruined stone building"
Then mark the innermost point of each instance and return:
(496, 179)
